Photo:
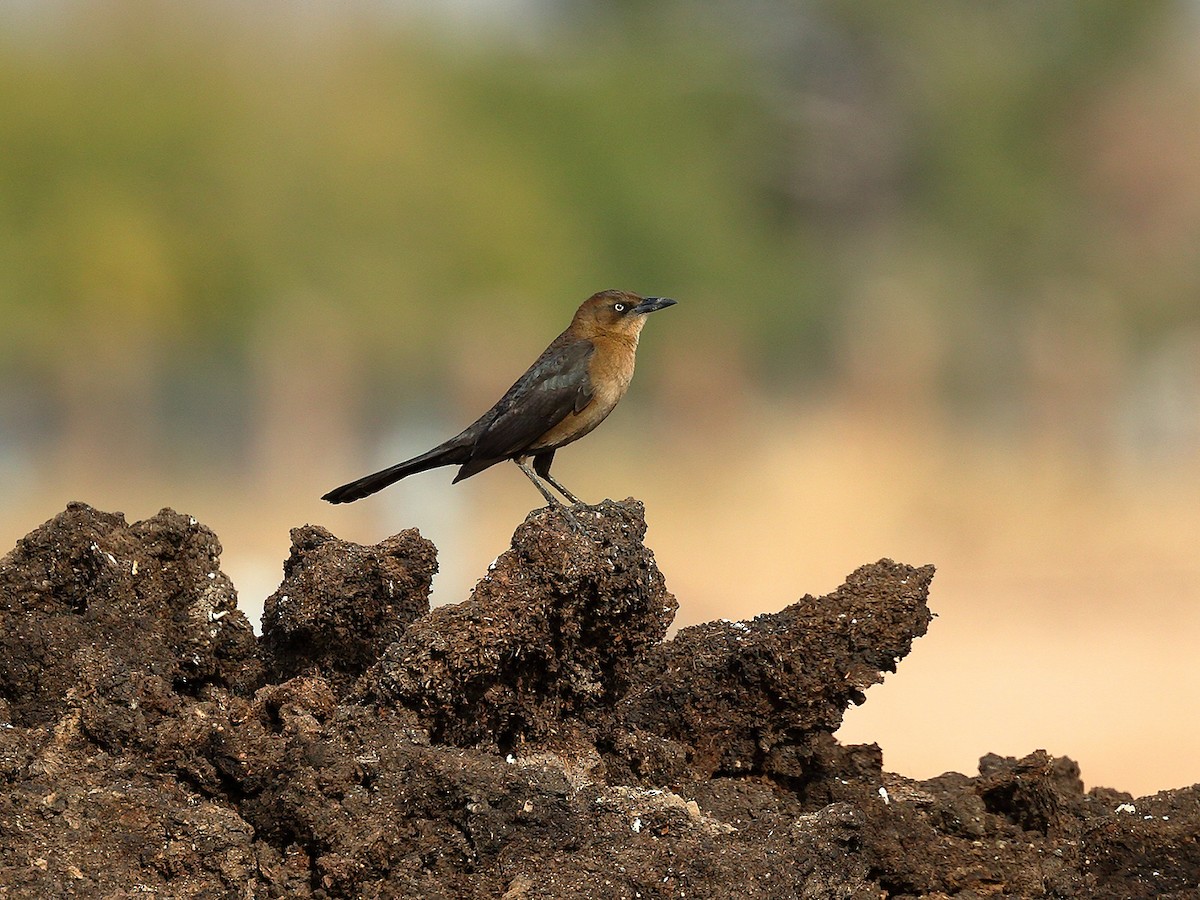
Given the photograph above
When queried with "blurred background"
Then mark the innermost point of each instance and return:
(939, 278)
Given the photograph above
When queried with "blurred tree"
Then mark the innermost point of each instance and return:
(182, 186)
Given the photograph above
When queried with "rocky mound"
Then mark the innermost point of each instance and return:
(539, 740)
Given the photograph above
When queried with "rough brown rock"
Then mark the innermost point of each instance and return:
(549, 638)
(540, 740)
(94, 611)
(757, 697)
(341, 604)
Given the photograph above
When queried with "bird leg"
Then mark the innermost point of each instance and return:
(550, 498)
(541, 465)
(562, 490)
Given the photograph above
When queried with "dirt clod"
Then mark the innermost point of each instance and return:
(539, 740)
(548, 642)
(341, 604)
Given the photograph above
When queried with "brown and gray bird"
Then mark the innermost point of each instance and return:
(567, 392)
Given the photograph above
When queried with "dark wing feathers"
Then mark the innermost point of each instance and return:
(556, 385)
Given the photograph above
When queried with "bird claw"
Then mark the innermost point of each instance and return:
(572, 521)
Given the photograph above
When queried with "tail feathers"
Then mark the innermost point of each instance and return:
(369, 484)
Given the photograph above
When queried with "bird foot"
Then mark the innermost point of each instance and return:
(571, 520)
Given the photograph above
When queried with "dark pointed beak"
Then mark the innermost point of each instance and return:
(650, 304)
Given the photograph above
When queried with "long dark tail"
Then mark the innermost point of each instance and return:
(448, 454)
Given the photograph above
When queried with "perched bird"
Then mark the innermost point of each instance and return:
(567, 392)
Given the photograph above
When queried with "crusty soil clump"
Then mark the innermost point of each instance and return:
(548, 643)
(539, 740)
(341, 604)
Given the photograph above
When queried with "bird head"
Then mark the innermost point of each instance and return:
(616, 313)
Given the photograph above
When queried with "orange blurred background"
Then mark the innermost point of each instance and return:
(938, 289)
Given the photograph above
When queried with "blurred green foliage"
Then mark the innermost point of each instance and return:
(174, 178)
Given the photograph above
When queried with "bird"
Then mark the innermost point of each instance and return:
(569, 390)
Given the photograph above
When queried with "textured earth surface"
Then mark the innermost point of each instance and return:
(541, 739)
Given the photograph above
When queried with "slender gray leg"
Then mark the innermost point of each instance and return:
(541, 465)
(550, 498)
(562, 490)
(537, 482)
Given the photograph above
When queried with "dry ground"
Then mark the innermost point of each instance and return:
(1068, 591)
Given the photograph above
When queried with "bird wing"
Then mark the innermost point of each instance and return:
(556, 385)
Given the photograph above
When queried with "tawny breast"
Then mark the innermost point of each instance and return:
(610, 371)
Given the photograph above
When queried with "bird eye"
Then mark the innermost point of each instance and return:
(619, 307)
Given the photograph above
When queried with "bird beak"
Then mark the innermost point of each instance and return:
(650, 304)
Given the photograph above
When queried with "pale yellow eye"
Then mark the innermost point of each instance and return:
(619, 307)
